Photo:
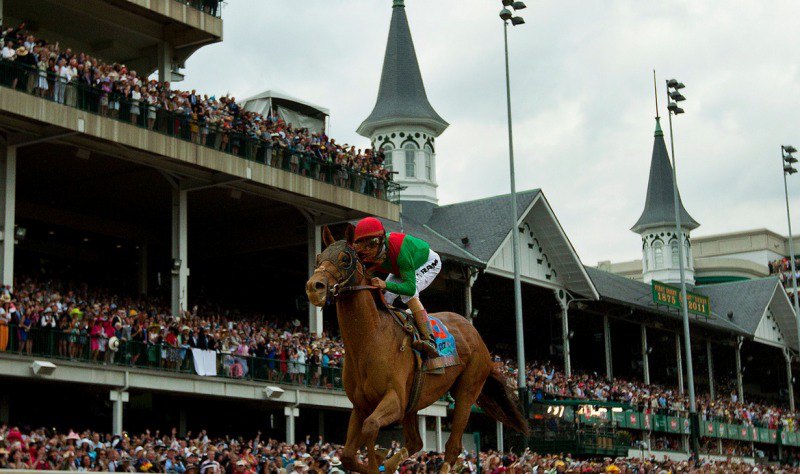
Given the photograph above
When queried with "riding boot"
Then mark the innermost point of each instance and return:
(426, 343)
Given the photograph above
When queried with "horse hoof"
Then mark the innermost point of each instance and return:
(381, 453)
(394, 461)
(445, 468)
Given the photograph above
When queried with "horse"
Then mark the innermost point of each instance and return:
(379, 366)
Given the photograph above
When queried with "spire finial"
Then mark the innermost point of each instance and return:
(655, 94)
(658, 132)
(399, 3)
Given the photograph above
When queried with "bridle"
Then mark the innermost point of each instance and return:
(342, 284)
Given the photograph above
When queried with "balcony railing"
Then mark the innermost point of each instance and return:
(93, 349)
(212, 7)
(266, 150)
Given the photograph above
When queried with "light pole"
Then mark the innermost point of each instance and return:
(788, 161)
(507, 16)
(674, 96)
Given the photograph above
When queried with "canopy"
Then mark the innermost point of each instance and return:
(291, 109)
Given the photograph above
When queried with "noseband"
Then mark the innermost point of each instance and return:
(342, 284)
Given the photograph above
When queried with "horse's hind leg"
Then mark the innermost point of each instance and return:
(465, 393)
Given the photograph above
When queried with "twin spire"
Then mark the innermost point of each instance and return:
(402, 99)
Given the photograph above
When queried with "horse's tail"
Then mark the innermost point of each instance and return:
(501, 403)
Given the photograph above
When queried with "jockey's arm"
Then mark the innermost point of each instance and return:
(407, 287)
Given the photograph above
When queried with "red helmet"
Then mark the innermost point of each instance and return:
(369, 227)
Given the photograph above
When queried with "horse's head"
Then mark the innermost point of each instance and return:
(337, 267)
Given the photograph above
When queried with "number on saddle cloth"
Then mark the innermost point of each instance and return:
(445, 342)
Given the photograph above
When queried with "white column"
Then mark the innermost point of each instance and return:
(8, 196)
(680, 362)
(562, 300)
(790, 386)
(607, 347)
(739, 384)
(180, 253)
(118, 399)
(164, 63)
(500, 444)
(645, 356)
(314, 247)
(423, 431)
(439, 440)
(710, 369)
(291, 414)
(471, 277)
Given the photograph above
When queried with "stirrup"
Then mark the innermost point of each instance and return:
(426, 346)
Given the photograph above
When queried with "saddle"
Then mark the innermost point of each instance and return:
(405, 320)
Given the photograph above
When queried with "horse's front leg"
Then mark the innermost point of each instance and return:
(387, 412)
(354, 441)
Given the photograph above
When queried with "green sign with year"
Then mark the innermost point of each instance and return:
(671, 296)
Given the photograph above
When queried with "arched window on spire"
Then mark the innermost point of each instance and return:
(658, 255)
(675, 254)
(411, 160)
(388, 151)
(428, 163)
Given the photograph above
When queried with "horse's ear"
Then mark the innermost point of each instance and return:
(327, 237)
(349, 234)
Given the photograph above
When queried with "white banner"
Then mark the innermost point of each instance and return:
(205, 362)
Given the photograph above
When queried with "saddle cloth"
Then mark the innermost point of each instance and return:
(445, 342)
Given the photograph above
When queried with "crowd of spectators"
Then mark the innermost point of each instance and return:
(155, 452)
(783, 269)
(111, 89)
(545, 382)
(97, 325)
(79, 323)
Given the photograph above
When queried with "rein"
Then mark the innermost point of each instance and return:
(342, 284)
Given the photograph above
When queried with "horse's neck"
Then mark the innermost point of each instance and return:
(359, 320)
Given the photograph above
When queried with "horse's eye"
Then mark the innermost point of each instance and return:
(346, 259)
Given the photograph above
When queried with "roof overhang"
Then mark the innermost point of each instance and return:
(782, 310)
(282, 96)
(368, 128)
(560, 250)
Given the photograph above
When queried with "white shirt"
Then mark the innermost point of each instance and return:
(8, 53)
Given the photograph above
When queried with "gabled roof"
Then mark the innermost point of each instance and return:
(659, 205)
(618, 289)
(747, 301)
(438, 243)
(485, 222)
(401, 96)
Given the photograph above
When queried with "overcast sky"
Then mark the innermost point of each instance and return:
(582, 90)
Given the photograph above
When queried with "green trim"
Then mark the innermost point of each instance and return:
(399, 4)
(713, 280)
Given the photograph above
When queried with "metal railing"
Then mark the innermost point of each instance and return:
(212, 7)
(80, 346)
(181, 124)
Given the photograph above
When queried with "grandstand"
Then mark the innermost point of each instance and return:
(104, 214)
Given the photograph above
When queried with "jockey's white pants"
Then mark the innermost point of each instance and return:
(424, 274)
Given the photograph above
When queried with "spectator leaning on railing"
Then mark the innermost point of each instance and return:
(112, 90)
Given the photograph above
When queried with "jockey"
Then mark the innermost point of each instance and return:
(411, 265)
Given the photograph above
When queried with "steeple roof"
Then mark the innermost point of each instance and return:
(401, 97)
(659, 206)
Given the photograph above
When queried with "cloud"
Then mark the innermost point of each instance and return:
(582, 90)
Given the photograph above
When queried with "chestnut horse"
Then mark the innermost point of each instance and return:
(379, 366)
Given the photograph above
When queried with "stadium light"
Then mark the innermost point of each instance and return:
(787, 160)
(673, 86)
(507, 17)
